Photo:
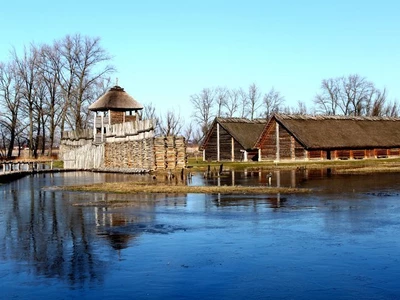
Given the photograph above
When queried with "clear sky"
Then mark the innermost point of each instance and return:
(166, 50)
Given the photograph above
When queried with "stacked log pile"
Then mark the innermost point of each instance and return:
(159, 153)
(170, 152)
(181, 158)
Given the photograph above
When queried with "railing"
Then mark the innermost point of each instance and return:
(9, 167)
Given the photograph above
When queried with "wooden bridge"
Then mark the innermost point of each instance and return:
(10, 170)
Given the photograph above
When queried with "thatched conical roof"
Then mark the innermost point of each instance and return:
(115, 99)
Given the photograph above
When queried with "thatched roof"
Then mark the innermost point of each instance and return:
(340, 132)
(244, 131)
(115, 99)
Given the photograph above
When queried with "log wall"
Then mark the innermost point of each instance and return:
(225, 147)
(127, 146)
(268, 143)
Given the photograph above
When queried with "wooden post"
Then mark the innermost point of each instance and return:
(277, 158)
(218, 146)
(101, 127)
(94, 126)
(293, 178)
(232, 149)
(109, 121)
(259, 154)
(278, 178)
(292, 148)
(305, 155)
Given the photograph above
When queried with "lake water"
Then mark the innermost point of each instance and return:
(342, 241)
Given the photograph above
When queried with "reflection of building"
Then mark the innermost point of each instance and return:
(120, 139)
(117, 218)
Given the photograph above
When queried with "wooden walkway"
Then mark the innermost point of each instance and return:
(11, 170)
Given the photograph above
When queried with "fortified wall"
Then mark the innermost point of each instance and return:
(129, 146)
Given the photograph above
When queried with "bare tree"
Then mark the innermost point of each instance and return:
(254, 100)
(356, 90)
(149, 113)
(351, 95)
(81, 68)
(28, 72)
(244, 103)
(301, 108)
(375, 103)
(198, 135)
(392, 110)
(232, 102)
(221, 95)
(327, 101)
(10, 101)
(203, 104)
(272, 101)
(188, 132)
(171, 123)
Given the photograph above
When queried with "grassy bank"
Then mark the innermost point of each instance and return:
(369, 165)
(145, 187)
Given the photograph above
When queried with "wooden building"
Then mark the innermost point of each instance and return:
(232, 139)
(115, 107)
(296, 137)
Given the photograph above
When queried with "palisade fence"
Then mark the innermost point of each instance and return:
(129, 146)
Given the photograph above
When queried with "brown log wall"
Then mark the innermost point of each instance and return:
(225, 150)
(289, 148)
(117, 117)
(151, 154)
(268, 143)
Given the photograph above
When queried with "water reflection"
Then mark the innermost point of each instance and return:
(52, 238)
(54, 234)
(277, 178)
(165, 243)
(250, 200)
(327, 180)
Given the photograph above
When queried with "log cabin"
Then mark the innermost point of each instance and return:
(299, 137)
(232, 139)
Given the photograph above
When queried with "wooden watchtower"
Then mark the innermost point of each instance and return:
(115, 107)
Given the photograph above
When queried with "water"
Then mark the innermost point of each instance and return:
(339, 242)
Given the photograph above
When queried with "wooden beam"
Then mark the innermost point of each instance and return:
(277, 158)
(232, 149)
(292, 148)
(218, 145)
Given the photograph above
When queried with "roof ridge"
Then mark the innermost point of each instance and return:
(334, 117)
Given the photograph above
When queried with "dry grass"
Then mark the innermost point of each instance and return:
(369, 170)
(141, 187)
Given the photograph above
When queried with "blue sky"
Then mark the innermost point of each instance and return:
(165, 51)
